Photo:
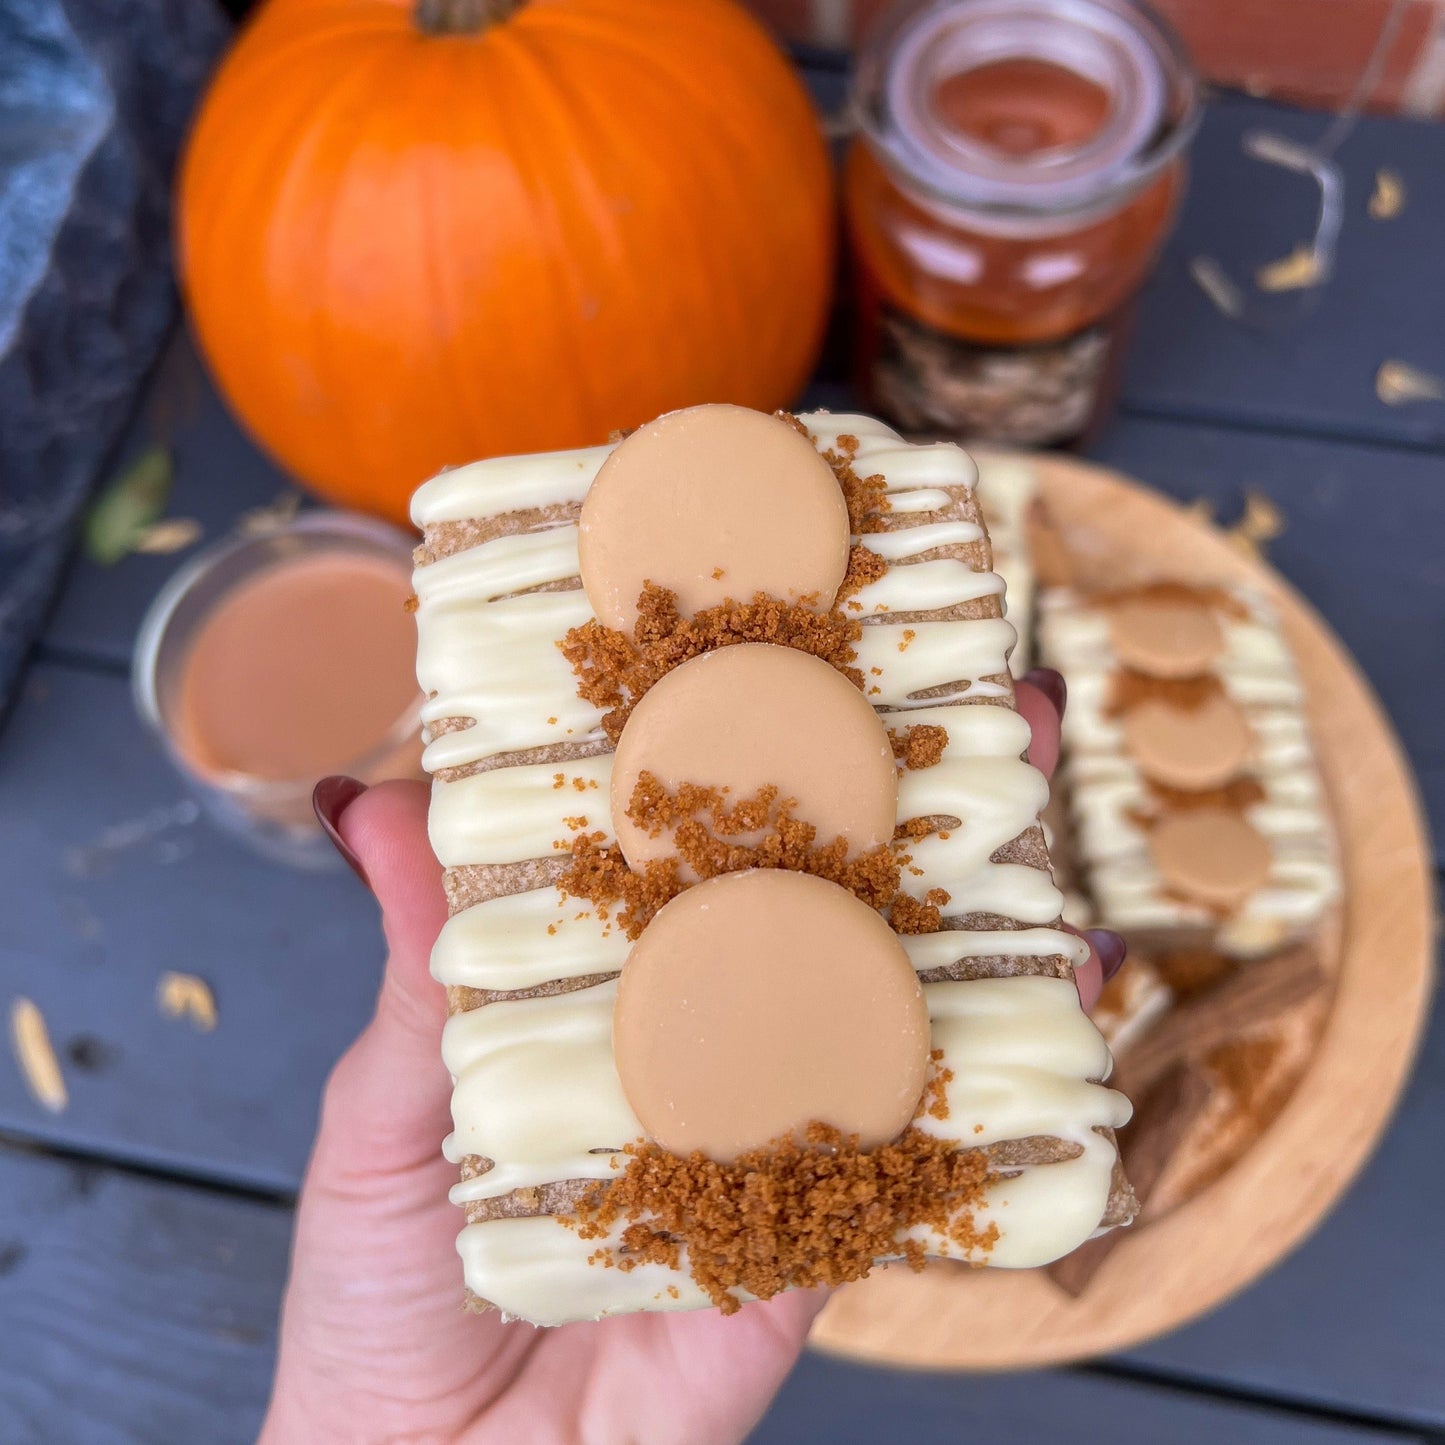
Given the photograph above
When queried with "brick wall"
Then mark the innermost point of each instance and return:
(1310, 51)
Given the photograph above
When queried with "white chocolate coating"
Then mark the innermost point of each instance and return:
(536, 1085)
(1007, 488)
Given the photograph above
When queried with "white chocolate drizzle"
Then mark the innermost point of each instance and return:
(512, 815)
(536, 1091)
(1024, 1057)
(536, 1085)
(1007, 488)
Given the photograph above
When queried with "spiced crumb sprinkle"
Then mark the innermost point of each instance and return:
(865, 497)
(934, 1103)
(919, 745)
(615, 670)
(713, 833)
(598, 874)
(791, 1214)
(864, 568)
(909, 915)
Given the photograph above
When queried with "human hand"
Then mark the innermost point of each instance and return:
(375, 1345)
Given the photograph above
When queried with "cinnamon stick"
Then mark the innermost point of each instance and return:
(1258, 991)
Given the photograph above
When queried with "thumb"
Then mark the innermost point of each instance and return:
(387, 1100)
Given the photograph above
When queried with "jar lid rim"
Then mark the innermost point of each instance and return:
(1119, 45)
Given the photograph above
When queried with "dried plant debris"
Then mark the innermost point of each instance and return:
(1397, 382)
(270, 518)
(173, 534)
(1215, 282)
(1388, 199)
(1261, 523)
(34, 1053)
(1302, 268)
(183, 995)
(128, 507)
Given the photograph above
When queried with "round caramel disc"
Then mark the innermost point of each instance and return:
(1210, 855)
(1191, 748)
(758, 1002)
(711, 503)
(751, 715)
(1165, 637)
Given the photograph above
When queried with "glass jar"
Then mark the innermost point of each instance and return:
(1017, 167)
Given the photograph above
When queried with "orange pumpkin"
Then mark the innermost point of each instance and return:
(413, 235)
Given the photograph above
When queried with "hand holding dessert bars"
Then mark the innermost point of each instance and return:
(753, 964)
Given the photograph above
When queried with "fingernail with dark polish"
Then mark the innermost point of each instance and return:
(1051, 684)
(1111, 949)
(331, 797)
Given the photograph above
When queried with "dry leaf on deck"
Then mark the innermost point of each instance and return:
(31, 1042)
(1214, 281)
(1397, 382)
(271, 516)
(1389, 197)
(183, 995)
(173, 534)
(128, 506)
(1262, 522)
(1300, 269)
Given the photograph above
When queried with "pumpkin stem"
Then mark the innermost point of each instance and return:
(462, 17)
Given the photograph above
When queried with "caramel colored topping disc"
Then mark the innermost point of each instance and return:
(753, 715)
(1190, 748)
(712, 503)
(759, 1002)
(1210, 854)
(1165, 638)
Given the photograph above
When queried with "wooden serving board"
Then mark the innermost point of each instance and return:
(952, 1317)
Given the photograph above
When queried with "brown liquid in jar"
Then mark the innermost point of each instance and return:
(1011, 290)
(1022, 106)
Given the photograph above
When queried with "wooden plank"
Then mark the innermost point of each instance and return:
(1353, 1320)
(133, 1312)
(1383, 303)
(1361, 541)
(162, 1300)
(108, 886)
(825, 1400)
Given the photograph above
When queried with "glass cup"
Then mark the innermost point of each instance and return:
(273, 816)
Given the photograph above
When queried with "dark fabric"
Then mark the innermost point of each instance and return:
(95, 96)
